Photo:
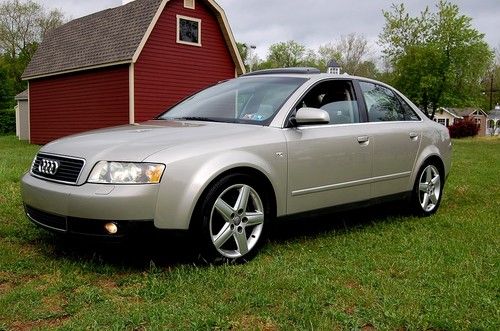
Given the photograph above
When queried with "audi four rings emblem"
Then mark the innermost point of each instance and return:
(48, 167)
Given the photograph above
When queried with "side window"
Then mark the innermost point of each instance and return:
(337, 98)
(383, 104)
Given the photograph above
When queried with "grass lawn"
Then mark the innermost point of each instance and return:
(372, 269)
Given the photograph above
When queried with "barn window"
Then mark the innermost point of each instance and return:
(188, 30)
(189, 4)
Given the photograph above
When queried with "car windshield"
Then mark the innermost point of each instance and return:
(252, 100)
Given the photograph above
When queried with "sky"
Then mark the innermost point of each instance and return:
(312, 23)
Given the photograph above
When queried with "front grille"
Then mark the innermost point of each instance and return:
(68, 169)
(51, 221)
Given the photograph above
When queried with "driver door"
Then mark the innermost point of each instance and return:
(329, 164)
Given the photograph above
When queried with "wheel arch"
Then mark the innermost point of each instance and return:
(433, 157)
(245, 170)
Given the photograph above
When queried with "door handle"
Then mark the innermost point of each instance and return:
(413, 135)
(363, 140)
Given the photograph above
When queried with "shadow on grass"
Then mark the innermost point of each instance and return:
(163, 249)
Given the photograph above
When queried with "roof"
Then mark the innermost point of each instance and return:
(332, 64)
(22, 96)
(109, 37)
(449, 111)
(461, 112)
(494, 114)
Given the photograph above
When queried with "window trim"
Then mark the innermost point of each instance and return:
(399, 97)
(186, 4)
(178, 36)
(287, 124)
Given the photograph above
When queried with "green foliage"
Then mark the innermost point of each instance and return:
(438, 57)
(22, 27)
(286, 54)
(6, 88)
(374, 269)
(7, 121)
(243, 50)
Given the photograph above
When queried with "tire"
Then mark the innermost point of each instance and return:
(231, 220)
(428, 189)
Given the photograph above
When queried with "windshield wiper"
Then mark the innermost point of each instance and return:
(195, 118)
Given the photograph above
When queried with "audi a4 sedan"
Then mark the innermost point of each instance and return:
(228, 160)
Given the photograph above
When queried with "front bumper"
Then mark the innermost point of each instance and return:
(85, 209)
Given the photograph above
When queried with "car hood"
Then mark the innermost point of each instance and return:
(136, 142)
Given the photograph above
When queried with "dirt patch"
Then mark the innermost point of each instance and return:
(55, 304)
(50, 324)
(107, 284)
(250, 322)
(368, 327)
(5, 286)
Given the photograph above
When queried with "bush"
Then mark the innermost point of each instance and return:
(7, 121)
(465, 128)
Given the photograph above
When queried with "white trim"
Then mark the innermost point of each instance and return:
(149, 31)
(192, 19)
(449, 112)
(131, 94)
(228, 34)
(186, 4)
(69, 71)
(226, 31)
(223, 22)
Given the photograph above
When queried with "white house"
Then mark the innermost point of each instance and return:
(448, 116)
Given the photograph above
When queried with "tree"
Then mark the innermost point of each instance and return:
(286, 54)
(351, 52)
(438, 58)
(22, 27)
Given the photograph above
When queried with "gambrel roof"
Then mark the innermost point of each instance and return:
(109, 37)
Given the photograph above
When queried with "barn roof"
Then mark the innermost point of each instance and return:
(23, 95)
(109, 37)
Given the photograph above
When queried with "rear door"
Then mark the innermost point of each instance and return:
(396, 130)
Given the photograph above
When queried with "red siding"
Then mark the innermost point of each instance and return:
(166, 71)
(72, 103)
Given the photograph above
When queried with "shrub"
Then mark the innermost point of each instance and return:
(465, 128)
(7, 121)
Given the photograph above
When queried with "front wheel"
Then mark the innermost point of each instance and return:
(234, 215)
(428, 190)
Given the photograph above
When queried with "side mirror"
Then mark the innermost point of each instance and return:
(306, 115)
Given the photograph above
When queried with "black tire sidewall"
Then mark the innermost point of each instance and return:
(415, 197)
(201, 221)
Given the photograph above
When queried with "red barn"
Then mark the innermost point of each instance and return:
(126, 65)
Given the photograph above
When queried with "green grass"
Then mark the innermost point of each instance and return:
(376, 268)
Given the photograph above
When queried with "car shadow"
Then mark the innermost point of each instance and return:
(169, 249)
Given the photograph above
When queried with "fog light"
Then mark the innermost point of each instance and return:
(111, 228)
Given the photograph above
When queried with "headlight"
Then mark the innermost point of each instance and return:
(126, 173)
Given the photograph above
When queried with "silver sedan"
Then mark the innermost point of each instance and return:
(228, 160)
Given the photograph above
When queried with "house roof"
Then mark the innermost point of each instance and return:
(461, 112)
(109, 37)
(22, 96)
(449, 111)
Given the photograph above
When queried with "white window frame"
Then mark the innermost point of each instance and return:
(190, 4)
(179, 41)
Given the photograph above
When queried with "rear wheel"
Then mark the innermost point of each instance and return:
(234, 213)
(428, 190)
